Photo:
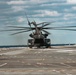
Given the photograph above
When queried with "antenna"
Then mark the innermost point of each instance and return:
(28, 20)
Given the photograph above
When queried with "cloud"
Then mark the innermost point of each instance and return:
(47, 13)
(2, 2)
(17, 8)
(39, 1)
(74, 8)
(20, 19)
(17, 5)
(16, 2)
(31, 1)
(66, 10)
(51, 13)
(69, 16)
(71, 1)
(54, 4)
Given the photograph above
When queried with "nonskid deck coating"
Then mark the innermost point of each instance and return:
(25, 61)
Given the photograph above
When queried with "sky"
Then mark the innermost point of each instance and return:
(12, 12)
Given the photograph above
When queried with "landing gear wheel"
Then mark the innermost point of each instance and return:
(30, 46)
(47, 46)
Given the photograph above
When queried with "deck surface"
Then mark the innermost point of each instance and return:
(25, 61)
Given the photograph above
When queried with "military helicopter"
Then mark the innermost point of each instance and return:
(39, 39)
(39, 34)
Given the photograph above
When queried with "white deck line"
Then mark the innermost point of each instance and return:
(3, 64)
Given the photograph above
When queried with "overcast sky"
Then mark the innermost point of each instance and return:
(12, 12)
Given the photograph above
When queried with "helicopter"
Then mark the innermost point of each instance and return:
(39, 35)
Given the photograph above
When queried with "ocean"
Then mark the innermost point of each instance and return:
(8, 46)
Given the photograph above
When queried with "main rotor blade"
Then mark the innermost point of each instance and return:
(42, 23)
(12, 30)
(18, 27)
(47, 23)
(59, 27)
(46, 31)
(20, 32)
(65, 29)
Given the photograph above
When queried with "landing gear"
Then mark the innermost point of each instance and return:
(48, 43)
(39, 43)
(30, 43)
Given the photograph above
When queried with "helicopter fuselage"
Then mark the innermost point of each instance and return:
(38, 38)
